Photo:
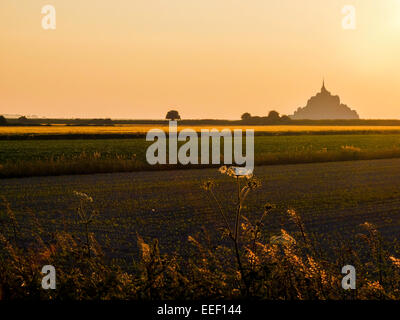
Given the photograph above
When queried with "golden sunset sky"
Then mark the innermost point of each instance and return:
(206, 58)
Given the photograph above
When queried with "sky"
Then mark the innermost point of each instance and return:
(206, 58)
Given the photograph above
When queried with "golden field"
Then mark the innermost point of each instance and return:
(124, 129)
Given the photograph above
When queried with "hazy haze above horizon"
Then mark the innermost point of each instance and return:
(207, 59)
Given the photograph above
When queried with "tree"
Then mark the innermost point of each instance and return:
(285, 119)
(273, 116)
(173, 115)
(23, 119)
(246, 116)
(3, 121)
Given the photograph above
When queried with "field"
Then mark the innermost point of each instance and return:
(73, 156)
(117, 228)
(333, 198)
(142, 129)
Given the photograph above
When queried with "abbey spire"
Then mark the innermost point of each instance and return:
(323, 89)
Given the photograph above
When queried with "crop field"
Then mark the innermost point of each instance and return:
(333, 198)
(142, 129)
(93, 195)
(67, 156)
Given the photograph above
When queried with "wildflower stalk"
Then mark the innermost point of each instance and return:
(222, 213)
(236, 237)
(238, 173)
(11, 216)
(87, 239)
(85, 218)
(237, 210)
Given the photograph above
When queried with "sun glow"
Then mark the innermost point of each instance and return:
(209, 59)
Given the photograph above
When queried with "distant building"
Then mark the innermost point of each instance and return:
(324, 106)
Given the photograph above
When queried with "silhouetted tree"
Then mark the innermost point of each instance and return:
(273, 116)
(3, 121)
(285, 119)
(23, 119)
(246, 116)
(173, 115)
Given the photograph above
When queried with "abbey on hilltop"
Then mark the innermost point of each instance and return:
(324, 106)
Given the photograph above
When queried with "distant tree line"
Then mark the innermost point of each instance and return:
(272, 118)
(24, 121)
(3, 121)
